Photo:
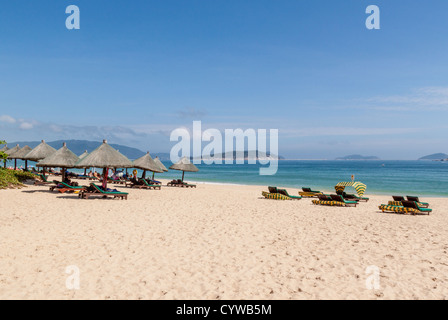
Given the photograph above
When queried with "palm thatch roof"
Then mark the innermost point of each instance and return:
(63, 158)
(160, 164)
(82, 156)
(184, 165)
(147, 163)
(42, 151)
(105, 157)
(5, 148)
(11, 152)
(21, 153)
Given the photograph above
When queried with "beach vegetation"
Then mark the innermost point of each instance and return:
(13, 178)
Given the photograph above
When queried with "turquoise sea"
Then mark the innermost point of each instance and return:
(428, 178)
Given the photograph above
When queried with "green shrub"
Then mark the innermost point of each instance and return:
(13, 178)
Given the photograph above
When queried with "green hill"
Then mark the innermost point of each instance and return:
(435, 156)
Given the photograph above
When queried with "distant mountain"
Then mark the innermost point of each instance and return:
(79, 146)
(233, 155)
(358, 157)
(435, 156)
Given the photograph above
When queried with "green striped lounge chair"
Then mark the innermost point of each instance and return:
(100, 192)
(285, 193)
(69, 188)
(351, 196)
(339, 198)
(150, 186)
(43, 181)
(63, 187)
(416, 199)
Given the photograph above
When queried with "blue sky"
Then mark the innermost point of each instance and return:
(138, 69)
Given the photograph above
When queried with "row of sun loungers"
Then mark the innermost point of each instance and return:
(410, 205)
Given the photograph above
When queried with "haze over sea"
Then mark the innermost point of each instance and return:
(425, 178)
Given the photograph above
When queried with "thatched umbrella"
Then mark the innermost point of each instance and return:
(63, 158)
(21, 155)
(11, 153)
(161, 166)
(105, 157)
(42, 151)
(146, 163)
(184, 165)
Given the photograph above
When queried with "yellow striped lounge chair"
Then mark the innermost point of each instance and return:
(275, 196)
(329, 203)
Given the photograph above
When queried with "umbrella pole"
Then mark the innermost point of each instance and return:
(144, 174)
(105, 170)
(153, 174)
(15, 164)
(26, 165)
(85, 171)
(183, 174)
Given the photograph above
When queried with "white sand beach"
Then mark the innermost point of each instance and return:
(216, 242)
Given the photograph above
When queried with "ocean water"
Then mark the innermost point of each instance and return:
(428, 178)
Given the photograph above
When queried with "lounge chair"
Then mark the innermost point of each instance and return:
(153, 181)
(285, 193)
(398, 198)
(416, 205)
(173, 183)
(416, 199)
(308, 193)
(63, 187)
(150, 186)
(407, 207)
(187, 185)
(326, 200)
(44, 181)
(98, 191)
(116, 181)
(348, 203)
(351, 197)
(275, 196)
